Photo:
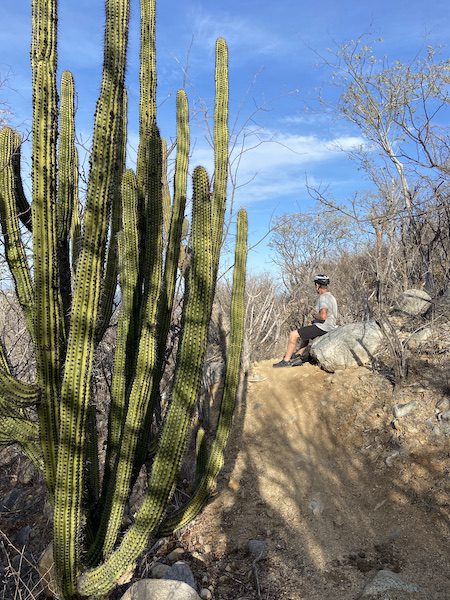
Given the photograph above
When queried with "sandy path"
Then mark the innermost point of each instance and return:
(300, 480)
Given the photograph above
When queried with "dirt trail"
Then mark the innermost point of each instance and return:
(307, 477)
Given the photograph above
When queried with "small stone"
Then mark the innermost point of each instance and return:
(22, 536)
(205, 594)
(175, 555)
(445, 416)
(159, 570)
(257, 549)
(198, 556)
(180, 571)
(234, 485)
(207, 549)
(160, 590)
(338, 521)
(386, 580)
(401, 410)
(389, 460)
(47, 572)
(442, 405)
(26, 475)
(9, 501)
(228, 569)
(316, 507)
(205, 579)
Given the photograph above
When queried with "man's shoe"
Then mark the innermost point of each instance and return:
(282, 363)
(298, 361)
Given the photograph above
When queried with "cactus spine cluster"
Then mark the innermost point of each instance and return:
(131, 235)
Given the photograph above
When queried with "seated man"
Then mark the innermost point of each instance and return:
(323, 321)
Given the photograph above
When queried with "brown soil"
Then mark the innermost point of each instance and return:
(318, 469)
(307, 473)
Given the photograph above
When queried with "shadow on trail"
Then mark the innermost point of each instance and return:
(330, 515)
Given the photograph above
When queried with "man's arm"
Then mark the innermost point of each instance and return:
(321, 315)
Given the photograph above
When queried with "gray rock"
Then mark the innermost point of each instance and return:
(347, 346)
(401, 410)
(421, 337)
(180, 571)
(9, 501)
(442, 405)
(205, 594)
(27, 474)
(161, 589)
(257, 549)
(445, 415)
(176, 554)
(386, 580)
(22, 536)
(414, 302)
(159, 570)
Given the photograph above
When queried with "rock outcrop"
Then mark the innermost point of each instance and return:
(414, 302)
(351, 345)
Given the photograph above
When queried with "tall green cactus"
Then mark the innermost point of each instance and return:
(131, 234)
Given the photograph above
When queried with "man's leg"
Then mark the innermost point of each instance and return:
(293, 338)
(306, 334)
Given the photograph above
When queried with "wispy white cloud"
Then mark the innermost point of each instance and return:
(273, 164)
(239, 32)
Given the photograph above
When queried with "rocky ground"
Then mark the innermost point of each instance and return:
(333, 483)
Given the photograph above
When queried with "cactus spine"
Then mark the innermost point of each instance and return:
(132, 232)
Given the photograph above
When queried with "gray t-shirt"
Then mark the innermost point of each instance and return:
(328, 301)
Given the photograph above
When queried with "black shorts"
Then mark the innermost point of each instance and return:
(310, 332)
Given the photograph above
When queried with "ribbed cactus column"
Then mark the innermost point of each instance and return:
(47, 315)
(81, 342)
(67, 187)
(209, 467)
(14, 248)
(197, 313)
(67, 297)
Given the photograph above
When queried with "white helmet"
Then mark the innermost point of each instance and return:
(322, 279)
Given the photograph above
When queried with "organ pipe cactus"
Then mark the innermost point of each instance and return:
(130, 236)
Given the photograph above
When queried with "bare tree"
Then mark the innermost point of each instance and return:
(399, 109)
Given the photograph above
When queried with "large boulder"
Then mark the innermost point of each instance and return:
(160, 589)
(351, 345)
(414, 302)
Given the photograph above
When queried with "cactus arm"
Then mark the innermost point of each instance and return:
(14, 248)
(47, 310)
(166, 199)
(201, 454)
(23, 206)
(215, 462)
(24, 394)
(66, 188)
(141, 389)
(75, 226)
(171, 264)
(197, 313)
(221, 135)
(21, 431)
(110, 282)
(147, 97)
(81, 341)
(179, 201)
(129, 264)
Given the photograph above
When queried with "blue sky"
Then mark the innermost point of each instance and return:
(276, 75)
